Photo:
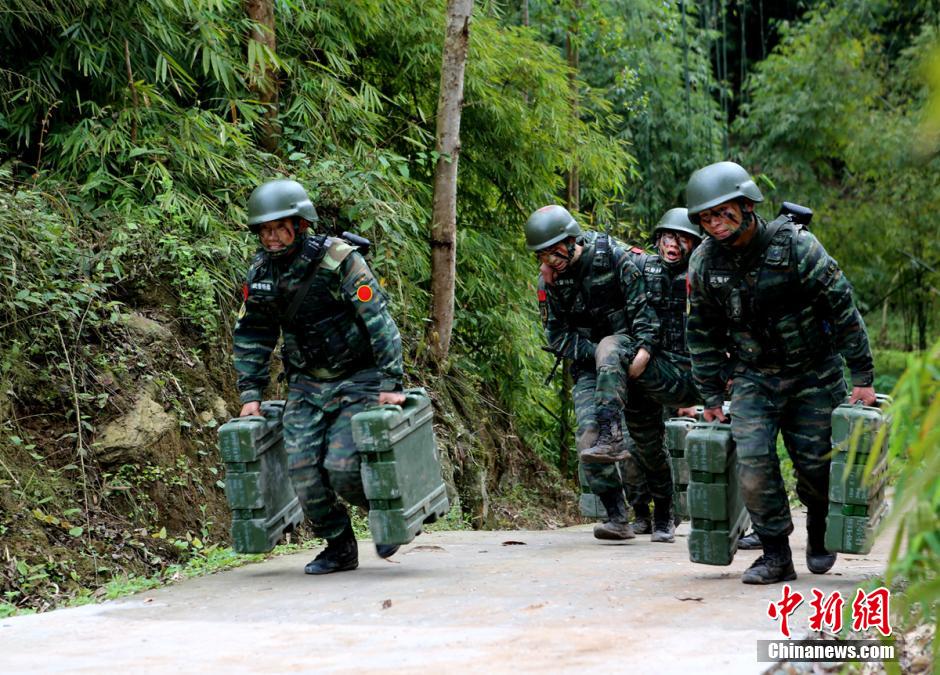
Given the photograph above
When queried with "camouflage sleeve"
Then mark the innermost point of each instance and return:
(255, 336)
(642, 323)
(705, 334)
(362, 289)
(832, 293)
(561, 337)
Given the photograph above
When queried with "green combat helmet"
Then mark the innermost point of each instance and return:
(677, 220)
(719, 183)
(278, 199)
(548, 226)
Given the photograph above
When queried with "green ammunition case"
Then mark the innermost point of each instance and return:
(863, 421)
(257, 485)
(850, 528)
(847, 485)
(716, 508)
(677, 429)
(856, 506)
(401, 468)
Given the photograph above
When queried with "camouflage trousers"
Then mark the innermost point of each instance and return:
(667, 381)
(798, 405)
(322, 458)
(600, 477)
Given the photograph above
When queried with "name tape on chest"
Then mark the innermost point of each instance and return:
(719, 278)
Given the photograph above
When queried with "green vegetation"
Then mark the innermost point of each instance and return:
(914, 451)
(129, 141)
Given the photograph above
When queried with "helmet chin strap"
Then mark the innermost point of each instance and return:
(569, 246)
(569, 251)
(746, 222)
(300, 230)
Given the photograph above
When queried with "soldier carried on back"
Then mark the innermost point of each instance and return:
(595, 313)
(664, 274)
(770, 295)
(341, 352)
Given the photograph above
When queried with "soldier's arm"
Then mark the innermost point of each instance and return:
(831, 291)
(644, 326)
(361, 288)
(561, 337)
(255, 337)
(705, 334)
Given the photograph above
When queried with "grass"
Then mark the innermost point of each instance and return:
(209, 561)
(216, 558)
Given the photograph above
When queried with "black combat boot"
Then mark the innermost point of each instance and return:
(664, 529)
(774, 566)
(386, 550)
(818, 559)
(642, 524)
(616, 527)
(609, 447)
(341, 554)
(749, 542)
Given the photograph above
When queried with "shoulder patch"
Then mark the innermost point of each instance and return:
(338, 251)
(636, 249)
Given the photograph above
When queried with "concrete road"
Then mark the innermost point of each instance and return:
(558, 601)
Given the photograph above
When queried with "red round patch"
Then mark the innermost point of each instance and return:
(364, 293)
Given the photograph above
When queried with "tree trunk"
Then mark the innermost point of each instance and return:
(444, 213)
(525, 13)
(574, 204)
(262, 81)
(571, 47)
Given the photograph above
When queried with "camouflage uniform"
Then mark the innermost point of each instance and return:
(667, 381)
(784, 310)
(666, 293)
(601, 294)
(340, 350)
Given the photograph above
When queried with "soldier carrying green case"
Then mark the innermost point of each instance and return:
(341, 350)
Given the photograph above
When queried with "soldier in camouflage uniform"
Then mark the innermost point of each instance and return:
(770, 295)
(341, 351)
(595, 293)
(664, 274)
(665, 380)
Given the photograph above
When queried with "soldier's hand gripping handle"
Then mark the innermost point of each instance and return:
(251, 409)
(863, 395)
(712, 414)
(391, 398)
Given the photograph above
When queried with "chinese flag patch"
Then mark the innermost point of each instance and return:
(542, 295)
(364, 293)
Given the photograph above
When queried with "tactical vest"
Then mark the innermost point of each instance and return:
(668, 297)
(771, 324)
(597, 308)
(325, 337)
